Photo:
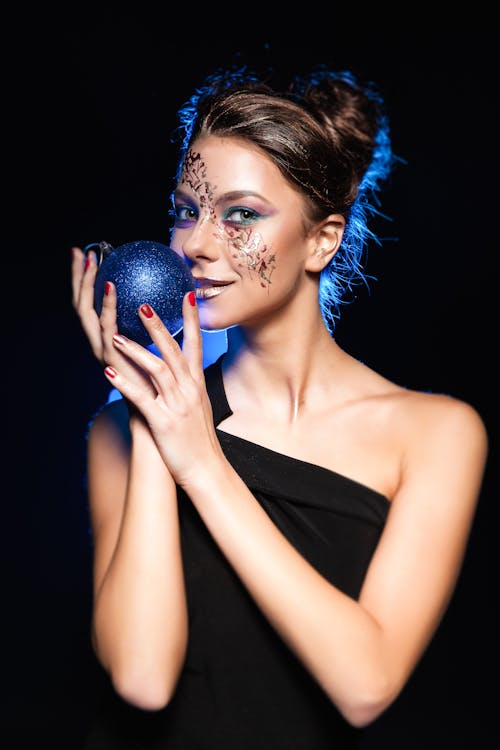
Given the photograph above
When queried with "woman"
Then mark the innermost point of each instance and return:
(276, 536)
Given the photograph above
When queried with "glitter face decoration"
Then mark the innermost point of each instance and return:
(244, 244)
(252, 253)
(194, 174)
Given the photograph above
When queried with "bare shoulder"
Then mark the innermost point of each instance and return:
(444, 446)
(413, 416)
(438, 416)
(110, 426)
(108, 454)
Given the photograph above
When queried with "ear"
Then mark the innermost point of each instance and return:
(324, 241)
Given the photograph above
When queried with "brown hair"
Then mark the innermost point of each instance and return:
(328, 135)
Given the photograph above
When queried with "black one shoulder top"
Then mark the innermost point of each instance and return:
(241, 687)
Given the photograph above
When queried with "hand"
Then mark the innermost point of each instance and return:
(174, 402)
(83, 274)
(99, 329)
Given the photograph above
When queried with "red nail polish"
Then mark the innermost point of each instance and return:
(192, 299)
(107, 287)
(146, 311)
(110, 372)
(87, 262)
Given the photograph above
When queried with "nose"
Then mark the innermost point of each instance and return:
(202, 242)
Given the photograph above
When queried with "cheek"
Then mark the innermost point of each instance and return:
(251, 253)
(176, 247)
(175, 241)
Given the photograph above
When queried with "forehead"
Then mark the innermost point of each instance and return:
(233, 164)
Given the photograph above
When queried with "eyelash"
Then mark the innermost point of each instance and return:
(180, 221)
(254, 215)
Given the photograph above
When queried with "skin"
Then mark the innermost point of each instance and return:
(285, 377)
(236, 227)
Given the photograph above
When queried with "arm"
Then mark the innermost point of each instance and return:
(139, 623)
(139, 620)
(361, 652)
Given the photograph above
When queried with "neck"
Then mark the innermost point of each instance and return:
(285, 364)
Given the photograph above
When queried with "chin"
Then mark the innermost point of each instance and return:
(211, 321)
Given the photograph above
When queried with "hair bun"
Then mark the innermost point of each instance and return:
(351, 112)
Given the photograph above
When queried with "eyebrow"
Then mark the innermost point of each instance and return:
(232, 195)
(235, 195)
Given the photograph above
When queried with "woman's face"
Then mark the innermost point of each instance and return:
(240, 227)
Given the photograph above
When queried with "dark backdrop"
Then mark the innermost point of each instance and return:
(89, 107)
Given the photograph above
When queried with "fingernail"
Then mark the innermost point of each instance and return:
(107, 287)
(192, 299)
(146, 311)
(110, 372)
(119, 338)
(87, 262)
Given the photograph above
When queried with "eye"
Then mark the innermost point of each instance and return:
(184, 215)
(240, 215)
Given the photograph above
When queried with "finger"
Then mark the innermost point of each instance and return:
(107, 322)
(108, 310)
(77, 270)
(108, 328)
(86, 295)
(158, 371)
(168, 347)
(136, 394)
(84, 268)
(192, 345)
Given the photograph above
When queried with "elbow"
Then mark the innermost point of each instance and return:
(145, 680)
(144, 695)
(144, 689)
(365, 706)
(362, 714)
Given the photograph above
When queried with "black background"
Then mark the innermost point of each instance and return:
(89, 102)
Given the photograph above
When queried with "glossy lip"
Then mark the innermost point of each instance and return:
(207, 292)
(204, 281)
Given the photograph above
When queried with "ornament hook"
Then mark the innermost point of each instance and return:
(104, 250)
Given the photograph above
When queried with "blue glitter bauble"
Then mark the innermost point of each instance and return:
(144, 272)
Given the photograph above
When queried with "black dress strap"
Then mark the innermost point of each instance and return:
(215, 389)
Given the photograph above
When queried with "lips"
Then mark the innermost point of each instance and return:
(207, 288)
